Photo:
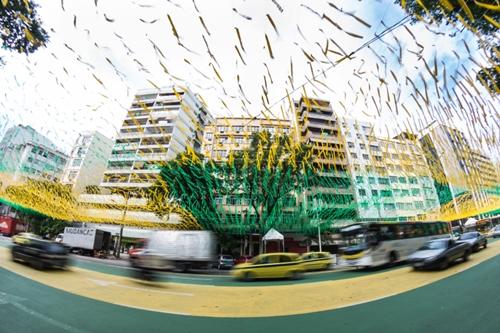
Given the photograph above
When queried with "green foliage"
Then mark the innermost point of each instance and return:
(47, 226)
(475, 16)
(20, 26)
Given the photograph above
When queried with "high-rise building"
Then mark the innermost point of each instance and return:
(227, 135)
(88, 161)
(159, 125)
(456, 167)
(318, 126)
(391, 178)
(26, 153)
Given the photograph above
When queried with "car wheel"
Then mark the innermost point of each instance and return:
(248, 276)
(37, 264)
(485, 244)
(444, 264)
(393, 257)
(475, 248)
(466, 255)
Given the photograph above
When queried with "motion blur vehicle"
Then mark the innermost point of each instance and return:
(316, 260)
(87, 241)
(39, 253)
(270, 265)
(138, 247)
(242, 260)
(225, 262)
(180, 250)
(377, 243)
(475, 239)
(439, 254)
(494, 232)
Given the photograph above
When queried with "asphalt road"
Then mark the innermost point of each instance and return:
(465, 302)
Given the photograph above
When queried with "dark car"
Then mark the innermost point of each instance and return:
(39, 253)
(439, 253)
(475, 239)
(494, 232)
(242, 260)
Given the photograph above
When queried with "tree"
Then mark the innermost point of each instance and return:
(20, 26)
(480, 17)
(257, 184)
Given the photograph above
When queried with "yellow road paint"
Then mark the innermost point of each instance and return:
(258, 301)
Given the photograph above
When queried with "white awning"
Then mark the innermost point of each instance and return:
(273, 235)
(471, 222)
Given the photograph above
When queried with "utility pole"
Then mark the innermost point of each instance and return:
(119, 245)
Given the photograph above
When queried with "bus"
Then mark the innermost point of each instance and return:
(369, 244)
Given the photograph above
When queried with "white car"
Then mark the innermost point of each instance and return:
(494, 232)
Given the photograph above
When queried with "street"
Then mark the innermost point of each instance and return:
(99, 298)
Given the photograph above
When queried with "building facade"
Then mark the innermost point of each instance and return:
(88, 161)
(226, 135)
(391, 177)
(332, 198)
(456, 167)
(26, 153)
(159, 125)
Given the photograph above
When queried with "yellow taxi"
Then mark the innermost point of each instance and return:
(24, 238)
(270, 266)
(316, 260)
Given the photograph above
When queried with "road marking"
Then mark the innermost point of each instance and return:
(15, 301)
(104, 283)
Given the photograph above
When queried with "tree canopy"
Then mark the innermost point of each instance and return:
(259, 185)
(480, 17)
(20, 26)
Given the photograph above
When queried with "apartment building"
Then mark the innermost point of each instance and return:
(391, 178)
(332, 198)
(159, 125)
(26, 153)
(233, 134)
(456, 167)
(88, 161)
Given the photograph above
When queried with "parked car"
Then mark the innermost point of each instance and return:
(494, 232)
(316, 260)
(38, 252)
(475, 239)
(242, 260)
(270, 265)
(225, 262)
(439, 253)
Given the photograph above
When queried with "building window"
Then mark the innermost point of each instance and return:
(383, 181)
(362, 146)
(221, 129)
(386, 193)
(415, 192)
(378, 158)
(254, 129)
(412, 180)
(350, 145)
(419, 205)
(208, 136)
(366, 157)
(354, 155)
(374, 193)
(238, 129)
(76, 162)
(395, 156)
(393, 179)
(359, 179)
(405, 193)
(371, 180)
(374, 148)
(402, 180)
(362, 192)
(389, 206)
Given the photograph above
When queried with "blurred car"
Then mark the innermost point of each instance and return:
(475, 239)
(138, 247)
(439, 253)
(59, 238)
(316, 260)
(270, 265)
(242, 260)
(225, 262)
(24, 237)
(39, 253)
(494, 232)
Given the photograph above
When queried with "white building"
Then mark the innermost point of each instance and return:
(26, 153)
(159, 125)
(391, 177)
(88, 161)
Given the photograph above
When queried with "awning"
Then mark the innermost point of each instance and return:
(471, 222)
(273, 235)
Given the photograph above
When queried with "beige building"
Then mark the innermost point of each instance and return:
(227, 135)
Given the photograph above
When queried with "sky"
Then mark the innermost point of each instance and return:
(101, 52)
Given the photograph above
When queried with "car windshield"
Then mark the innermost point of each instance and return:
(227, 258)
(435, 245)
(469, 235)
